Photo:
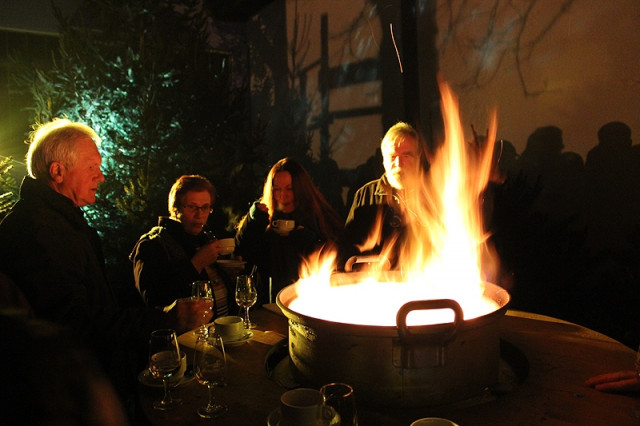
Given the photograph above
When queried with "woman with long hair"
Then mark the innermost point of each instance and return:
(290, 221)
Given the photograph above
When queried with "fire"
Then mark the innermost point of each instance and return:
(446, 256)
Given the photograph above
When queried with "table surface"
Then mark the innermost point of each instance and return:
(560, 356)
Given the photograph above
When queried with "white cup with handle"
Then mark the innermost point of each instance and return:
(283, 226)
(304, 407)
(230, 327)
(227, 245)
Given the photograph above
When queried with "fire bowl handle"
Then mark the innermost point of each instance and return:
(382, 262)
(448, 334)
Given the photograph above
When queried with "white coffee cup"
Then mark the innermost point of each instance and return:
(283, 226)
(304, 407)
(227, 245)
(230, 327)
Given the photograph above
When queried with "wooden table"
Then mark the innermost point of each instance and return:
(557, 357)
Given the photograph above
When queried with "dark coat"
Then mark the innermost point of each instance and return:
(162, 263)
(275, 256)
(374, 209)
(48, 249)
(163, 270)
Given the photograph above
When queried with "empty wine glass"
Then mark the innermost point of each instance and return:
(210, 367)
(246, 296)
(203, 290)
(340, 396)
(164, 362)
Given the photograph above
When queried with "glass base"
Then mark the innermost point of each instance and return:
(200, 331)
(164, 406)
(212, 411)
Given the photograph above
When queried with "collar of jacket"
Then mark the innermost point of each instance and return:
(36, 192)
(384, 188)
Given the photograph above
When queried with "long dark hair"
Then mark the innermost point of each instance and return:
(308, 199)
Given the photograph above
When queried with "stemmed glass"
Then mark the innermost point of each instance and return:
(164, 362)
(340, 396)
(246, 296)
(202, 290)
(210, 367)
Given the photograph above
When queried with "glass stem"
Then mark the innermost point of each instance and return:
(167, 394)
(210, 403)
(246, 317)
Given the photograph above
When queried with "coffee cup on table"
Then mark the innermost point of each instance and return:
(230, 327)
(283, 226)
(304, 407)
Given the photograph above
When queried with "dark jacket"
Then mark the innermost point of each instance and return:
(162, 262)
(275, 256)
(163, 270)
(374, 209)
(48, 249)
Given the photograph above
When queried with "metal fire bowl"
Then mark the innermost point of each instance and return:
(397, 365)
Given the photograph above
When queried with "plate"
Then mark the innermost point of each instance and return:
(239, 341)
(275, 418)
(145, 378)
(231, 263)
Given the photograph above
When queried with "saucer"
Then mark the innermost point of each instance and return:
(248, 335)
(145, 378)
(275, 418)
(231, 263)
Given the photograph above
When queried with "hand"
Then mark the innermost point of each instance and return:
(619, 381)
(259, 211)
(191, 312)
(206, 255)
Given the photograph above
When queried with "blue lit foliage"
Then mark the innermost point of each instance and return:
(142, 74)
(8, 186)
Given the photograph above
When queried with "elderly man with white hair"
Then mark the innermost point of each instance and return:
(49, 250)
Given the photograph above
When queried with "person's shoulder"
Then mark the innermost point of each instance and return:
(371, 185)
(149, 239)
(32, 215)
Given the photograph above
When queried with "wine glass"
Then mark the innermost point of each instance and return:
(210, 367)
(164, 362)
(202, 290)
(246, 296)
(340, 396)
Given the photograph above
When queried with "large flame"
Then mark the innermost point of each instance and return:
(445, 256)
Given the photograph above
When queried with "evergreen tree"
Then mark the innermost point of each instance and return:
(8, 186)
(143, 74)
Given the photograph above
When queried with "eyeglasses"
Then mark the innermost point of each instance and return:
(192, 208)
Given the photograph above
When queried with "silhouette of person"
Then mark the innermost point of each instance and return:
(370, 170)
(612, 172)
(51, 378)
